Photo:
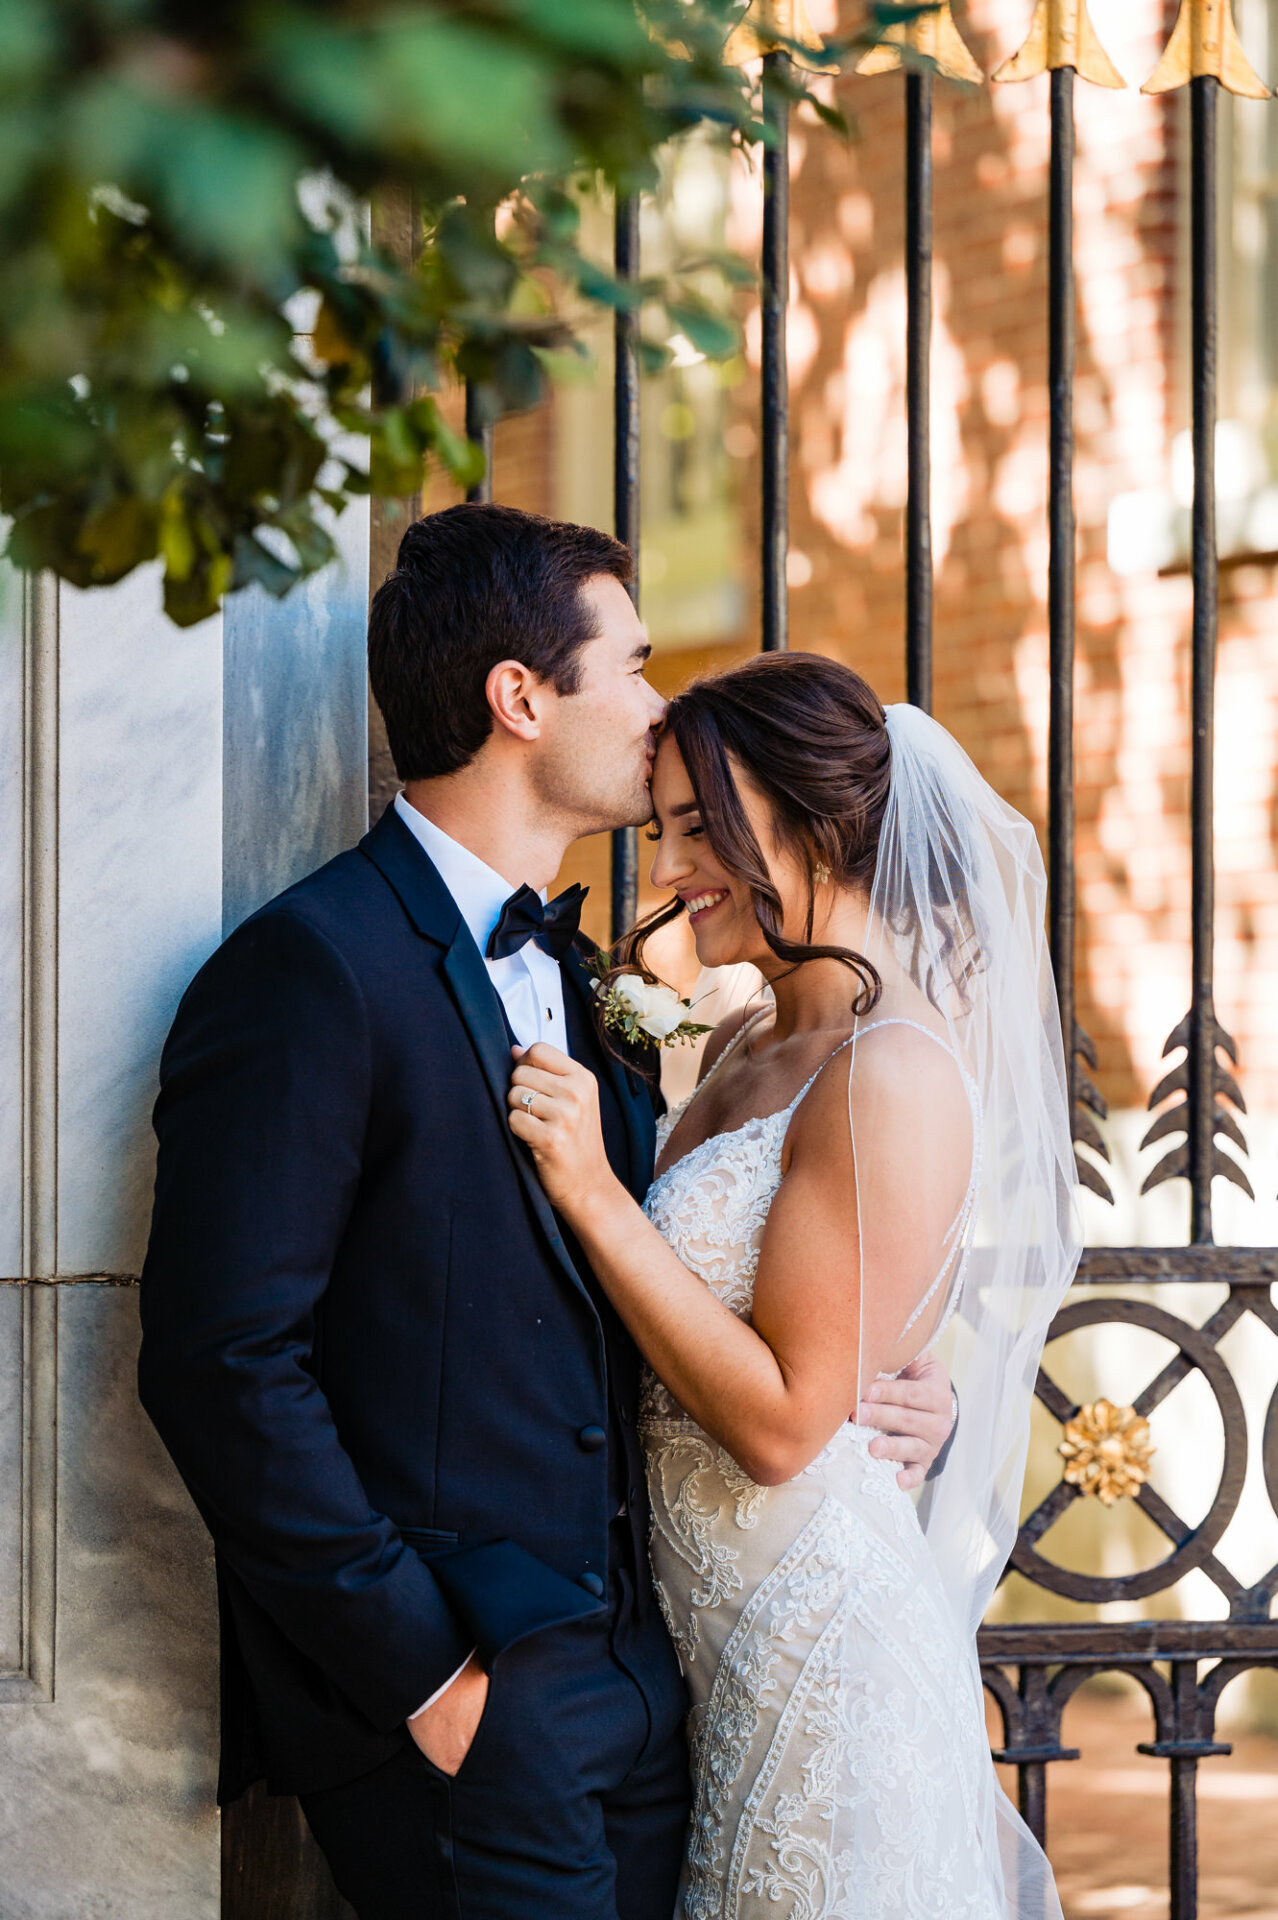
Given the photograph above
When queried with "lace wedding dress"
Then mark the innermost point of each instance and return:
(840, 1764)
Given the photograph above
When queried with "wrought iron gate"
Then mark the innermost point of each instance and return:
(1032, 1670)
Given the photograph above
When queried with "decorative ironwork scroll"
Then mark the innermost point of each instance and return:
(1032, 1670)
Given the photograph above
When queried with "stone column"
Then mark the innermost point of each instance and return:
(155, 786)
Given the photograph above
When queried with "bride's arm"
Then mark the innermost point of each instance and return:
(773, 1392)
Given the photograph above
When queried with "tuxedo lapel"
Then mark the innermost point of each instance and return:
(480, 1008)
(629, 1087)
(430, 906)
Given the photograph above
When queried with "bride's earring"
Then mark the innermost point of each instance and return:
(821, 874)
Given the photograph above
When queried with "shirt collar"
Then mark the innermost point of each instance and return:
(480, 893)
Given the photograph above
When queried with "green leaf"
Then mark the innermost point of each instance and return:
(830, 117)
(118, 537)
(710, 333)
(28, 45)
(151, 388)
(427, 84)
(571, 366)
(177, 538)
(193, 599)
(599, 27)
(254, 563)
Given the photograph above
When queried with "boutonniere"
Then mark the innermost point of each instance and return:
(641, 1011)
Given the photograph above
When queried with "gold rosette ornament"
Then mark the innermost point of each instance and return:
(1107, 1451)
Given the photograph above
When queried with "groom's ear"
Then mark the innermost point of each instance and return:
(516, 699)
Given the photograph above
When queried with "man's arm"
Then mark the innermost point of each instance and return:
(916, 1413)
(264, 1097)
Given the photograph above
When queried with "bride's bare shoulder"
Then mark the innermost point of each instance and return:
(897, 1080)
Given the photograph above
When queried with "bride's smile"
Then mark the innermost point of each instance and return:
(721, 913)
(698, 905)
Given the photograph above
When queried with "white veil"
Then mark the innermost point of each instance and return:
(956, 932)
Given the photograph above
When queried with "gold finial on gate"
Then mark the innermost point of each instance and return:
(769, 25)
(933, 34)
(1205, 41)
(1061, 35)
(1107, 1451)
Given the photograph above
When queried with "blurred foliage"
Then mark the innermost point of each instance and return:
(203, 354)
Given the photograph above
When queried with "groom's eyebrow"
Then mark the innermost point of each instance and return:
(643, 651)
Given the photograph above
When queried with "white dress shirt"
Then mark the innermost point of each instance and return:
(528, 982)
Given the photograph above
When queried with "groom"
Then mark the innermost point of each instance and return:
(392, 1385)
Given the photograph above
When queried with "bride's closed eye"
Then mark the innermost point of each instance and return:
(690, 833)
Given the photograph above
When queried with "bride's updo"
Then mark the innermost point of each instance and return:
(811, 737)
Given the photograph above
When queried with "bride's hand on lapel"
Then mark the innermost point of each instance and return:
(554, 1109)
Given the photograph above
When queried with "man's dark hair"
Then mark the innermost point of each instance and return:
(473, 585)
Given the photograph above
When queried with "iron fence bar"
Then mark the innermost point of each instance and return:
(1124, 1266)
(1031, 1774)
(1104, 1643)
(1201, 1056)
(918, 353)
(775, 397)
(1183, 1849)
(624, 882)
(479, 431)
(1031, 1797)
(1060, 579)
(1062, 41)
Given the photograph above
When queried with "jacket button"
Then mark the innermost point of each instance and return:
(593, 1584)
(592, 1440)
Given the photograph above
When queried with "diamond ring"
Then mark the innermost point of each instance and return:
(526, 1099)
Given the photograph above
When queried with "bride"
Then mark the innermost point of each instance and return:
(879, 1159)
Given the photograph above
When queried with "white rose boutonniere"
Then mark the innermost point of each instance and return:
(642, 1011)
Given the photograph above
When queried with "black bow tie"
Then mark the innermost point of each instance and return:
(524, 918)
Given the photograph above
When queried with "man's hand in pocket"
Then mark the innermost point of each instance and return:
(445, 1730)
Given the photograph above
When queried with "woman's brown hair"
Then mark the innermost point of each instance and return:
(811, 736)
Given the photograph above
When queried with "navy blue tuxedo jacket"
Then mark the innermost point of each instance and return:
(365, 1343)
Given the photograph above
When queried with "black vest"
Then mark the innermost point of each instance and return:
(625, 1462)
(627, 1486)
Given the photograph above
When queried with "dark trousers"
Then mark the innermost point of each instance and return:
(571, 1804)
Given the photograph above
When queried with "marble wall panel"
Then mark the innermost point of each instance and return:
(106, 1795)
(11, 853)
(295, 770)
(11, 1478)
(140, 885)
